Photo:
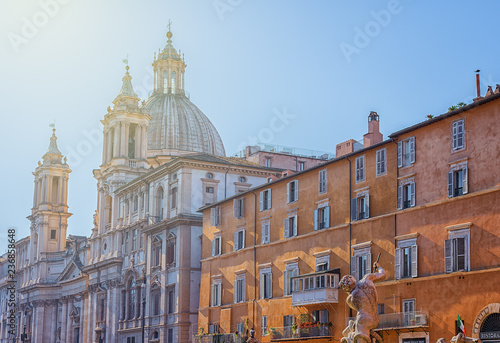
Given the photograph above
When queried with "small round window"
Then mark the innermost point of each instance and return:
(242, 179)
(210, 176)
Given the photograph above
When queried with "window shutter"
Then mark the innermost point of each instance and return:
(286, 282)
(354, 209)
(218, 219)
(295, 226)
(368, 264)
(382, 161)
(212, 295)
(397, 264)
(212, 216)
(296, 190)
(262, 285)
(287, 228)
(288, 192)
(243, 239)
(400, 197)
(354, 271)
(236, 291)
(270, 284)
(461, 254)
(269, 199)
(316, 219)
(400, 154)
(219, 243)
(261, 201)
(448, 257)
(236, 247)
(378, 153)
(412, 150)
(327, 216)
(367, 206)
(414, 261)
(263, 325)
(213, 246)
(235, 208)
(219, 294)
(242, 207)
(243, 290)
(450, 184)
(455, 136)
(412, 190)
(465, 186)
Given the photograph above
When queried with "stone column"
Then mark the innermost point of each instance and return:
(49, 189)
(65, 190)
(124, 139)
(138, 142)
(53, 323)
(89, 326)
(105, 134)
(35, 194)
(109, 326)
(116, 138)
(44, 189)
(144, 141)
(69, 322)
(64, 318)
(84, 318)
(39, 313)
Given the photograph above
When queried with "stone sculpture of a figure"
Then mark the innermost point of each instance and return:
(362, 298)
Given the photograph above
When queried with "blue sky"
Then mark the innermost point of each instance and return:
(326, 64)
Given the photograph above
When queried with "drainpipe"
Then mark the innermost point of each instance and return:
(350, 221)
(254, 258)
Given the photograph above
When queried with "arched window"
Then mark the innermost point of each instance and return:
(173, 84)
(136, 203)
(155, 299)
(159, 203)
(165, 82)
(108, 209)
(131, 298)
(55, 190)
(131, 141)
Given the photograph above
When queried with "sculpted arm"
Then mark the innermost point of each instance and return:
(379, 275)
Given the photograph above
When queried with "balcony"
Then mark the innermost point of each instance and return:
(286, 333)
(315, 288)
(220, 338)
(401, 320)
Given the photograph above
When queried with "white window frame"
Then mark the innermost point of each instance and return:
(410, 244)
(215, 216)
(322, 218)
(290, 226)
(403, 146)
(239, 289)
(322, 261)
(301, 166)
(268, 161)
(408, 314)
(265, 232)
(292, 197)
(239, 239)
(362, 198)
(216, 293)
(217, 245)
(406, 189)
(355, 259)
(452, 179)
(240, 327)
(322, 181)
(451, 254)
(381, 156)
(265, 200)
(263, 326)
(291, 270)
(266, 283)
(360, 169)
(457, 133)
(239, 208)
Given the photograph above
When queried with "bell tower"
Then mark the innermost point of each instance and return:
(49, 215)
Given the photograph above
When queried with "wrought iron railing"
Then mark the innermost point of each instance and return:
(220, 338)
(318, 330)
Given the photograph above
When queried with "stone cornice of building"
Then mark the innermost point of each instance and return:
(38, 213)
(82, 277)
(179, 163)
(110, 169)
(38, 286)
(122, 114)
(101, 264)
(182, 219)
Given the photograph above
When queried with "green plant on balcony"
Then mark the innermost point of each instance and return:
(274, 332)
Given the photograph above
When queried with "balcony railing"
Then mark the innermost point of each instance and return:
(154, 219)
(220, 338)
(315, 288)
(319, 330)
(401, 320)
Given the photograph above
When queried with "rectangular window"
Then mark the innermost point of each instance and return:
(216, 246)
(381, 308)
(292, 191)
(457, 181)
(290, 227)
(215, 216)
(52, 234)
(381, 162)
(360, 169)
(456, 251)
(458, 135)
(265, 232)
(155, 301)
(292, 269)
(405, 259)
(267, 162)
(238, 208)
(322, 218)
(174, 198)
(408, 312)
(360, 207)
(134, 240)
(320, 316)
(266, 283)
(209, 190)
(239, 239)
(213, 328)
(361, 263)
(170, 335)
(288, 325)
(239, 289)
(171, 300)
(156, 254)
(406, 152)
(265, 200)
(322, 181)
(170, 252)
(240, 327)
(302, 166)
(263, 326)
(406, 195)
(216, 293)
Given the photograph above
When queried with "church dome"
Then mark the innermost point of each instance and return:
(177, 126)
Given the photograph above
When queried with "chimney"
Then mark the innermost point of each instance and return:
(478, 87)
(373, 136)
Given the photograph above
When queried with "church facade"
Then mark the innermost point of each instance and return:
(138, 274)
